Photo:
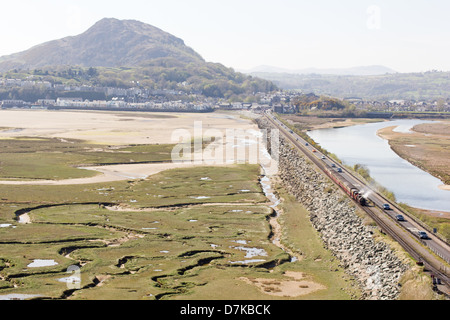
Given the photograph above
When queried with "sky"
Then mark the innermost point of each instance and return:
(405, 35)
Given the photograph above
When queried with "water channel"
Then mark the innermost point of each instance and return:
(361, 144)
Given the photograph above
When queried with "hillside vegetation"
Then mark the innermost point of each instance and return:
(208, 79)
(409, 86)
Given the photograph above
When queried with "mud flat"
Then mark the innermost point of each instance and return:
(293, 284)
(427, 146)
(314, 123)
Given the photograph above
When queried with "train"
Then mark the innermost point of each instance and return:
(350, 189)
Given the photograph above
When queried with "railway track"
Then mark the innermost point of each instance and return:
(403, 236)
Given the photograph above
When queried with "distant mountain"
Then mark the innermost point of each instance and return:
(411, 86)
(355, 71)
(129, 51)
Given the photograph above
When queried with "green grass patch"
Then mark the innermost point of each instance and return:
(56, 159)
(141, 251)
(300, 236)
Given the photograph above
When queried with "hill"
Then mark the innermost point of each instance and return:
(122, 53)
(108, 43)
(409, 86)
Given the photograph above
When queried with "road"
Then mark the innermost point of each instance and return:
(405, 232)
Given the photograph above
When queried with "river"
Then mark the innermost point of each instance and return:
(361, 144)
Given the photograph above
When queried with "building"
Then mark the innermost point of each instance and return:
(12, 104)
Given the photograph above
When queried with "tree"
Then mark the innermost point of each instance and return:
(92, 72)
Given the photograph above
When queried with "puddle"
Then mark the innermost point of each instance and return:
(6, 225)
(18, 296)
(164, 251)
(42, 263)
(244, 190)
(267, 189)
(247, 261)
(252, 252)
(205, 178)
(193, 220)
(200, 197)
(71, 279)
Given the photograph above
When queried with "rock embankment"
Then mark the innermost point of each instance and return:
(371, 262)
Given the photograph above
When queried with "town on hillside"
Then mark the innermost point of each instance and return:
(143, 99)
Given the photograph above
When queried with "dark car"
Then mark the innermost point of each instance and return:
(339, 170)
(423, 235)
(399, 217)
(386, 207)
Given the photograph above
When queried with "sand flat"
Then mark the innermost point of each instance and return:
(109, 128)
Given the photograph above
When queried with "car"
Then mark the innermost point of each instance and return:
(399, 217)
(339, 170)
(423, 235)
(322, 157)
(306, 144)
(314, 150)
(333, 165)
(386, 207)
